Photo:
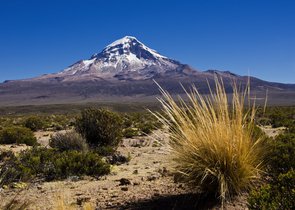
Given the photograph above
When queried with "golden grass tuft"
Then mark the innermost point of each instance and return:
(211, 140)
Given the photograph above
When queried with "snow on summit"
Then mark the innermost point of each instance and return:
(124, 59)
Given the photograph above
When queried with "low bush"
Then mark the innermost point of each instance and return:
(18, 135)
(279, 194)
(100, 127)
(51, 164)
(34, 123)
(70, 140)
(212, 141)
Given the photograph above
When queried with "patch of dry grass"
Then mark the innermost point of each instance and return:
(211, 140)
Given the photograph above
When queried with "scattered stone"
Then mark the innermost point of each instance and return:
(82, 200)
(124, 181)
(124, 188)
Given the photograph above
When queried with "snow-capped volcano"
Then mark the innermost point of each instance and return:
(125, 68)
(124, 59)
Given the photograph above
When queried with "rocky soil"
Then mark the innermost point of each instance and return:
(146, 182)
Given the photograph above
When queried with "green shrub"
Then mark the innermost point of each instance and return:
(280, 194)
(100, 127)
(18, 135)
(282, 154)
(212, 142)
(34, 123)
(70, 140)
(51, 164)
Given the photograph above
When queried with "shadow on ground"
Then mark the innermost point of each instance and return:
(175, 202)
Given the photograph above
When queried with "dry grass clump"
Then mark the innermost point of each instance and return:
(211, 140)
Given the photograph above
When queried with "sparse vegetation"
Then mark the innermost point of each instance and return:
(17, 135)
(279, 194)
(69, 140)
(282, 154)
(279, 190)
(212, 142)
(51, 164)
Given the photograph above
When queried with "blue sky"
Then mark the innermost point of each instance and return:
(253, 37)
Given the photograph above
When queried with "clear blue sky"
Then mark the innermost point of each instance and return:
(255, 36)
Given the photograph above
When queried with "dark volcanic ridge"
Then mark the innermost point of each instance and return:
(125, 68)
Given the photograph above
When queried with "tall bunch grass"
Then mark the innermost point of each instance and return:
(212, 142)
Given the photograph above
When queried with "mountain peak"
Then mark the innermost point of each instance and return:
(124, 59)
(130, 44)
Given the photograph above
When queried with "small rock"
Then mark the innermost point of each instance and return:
(73, 178)
(163, 172)
(82, 200)
(105, 188)
(152, 177)
(135, 171)
(136, 183)
(124, 181)
(124, 188)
